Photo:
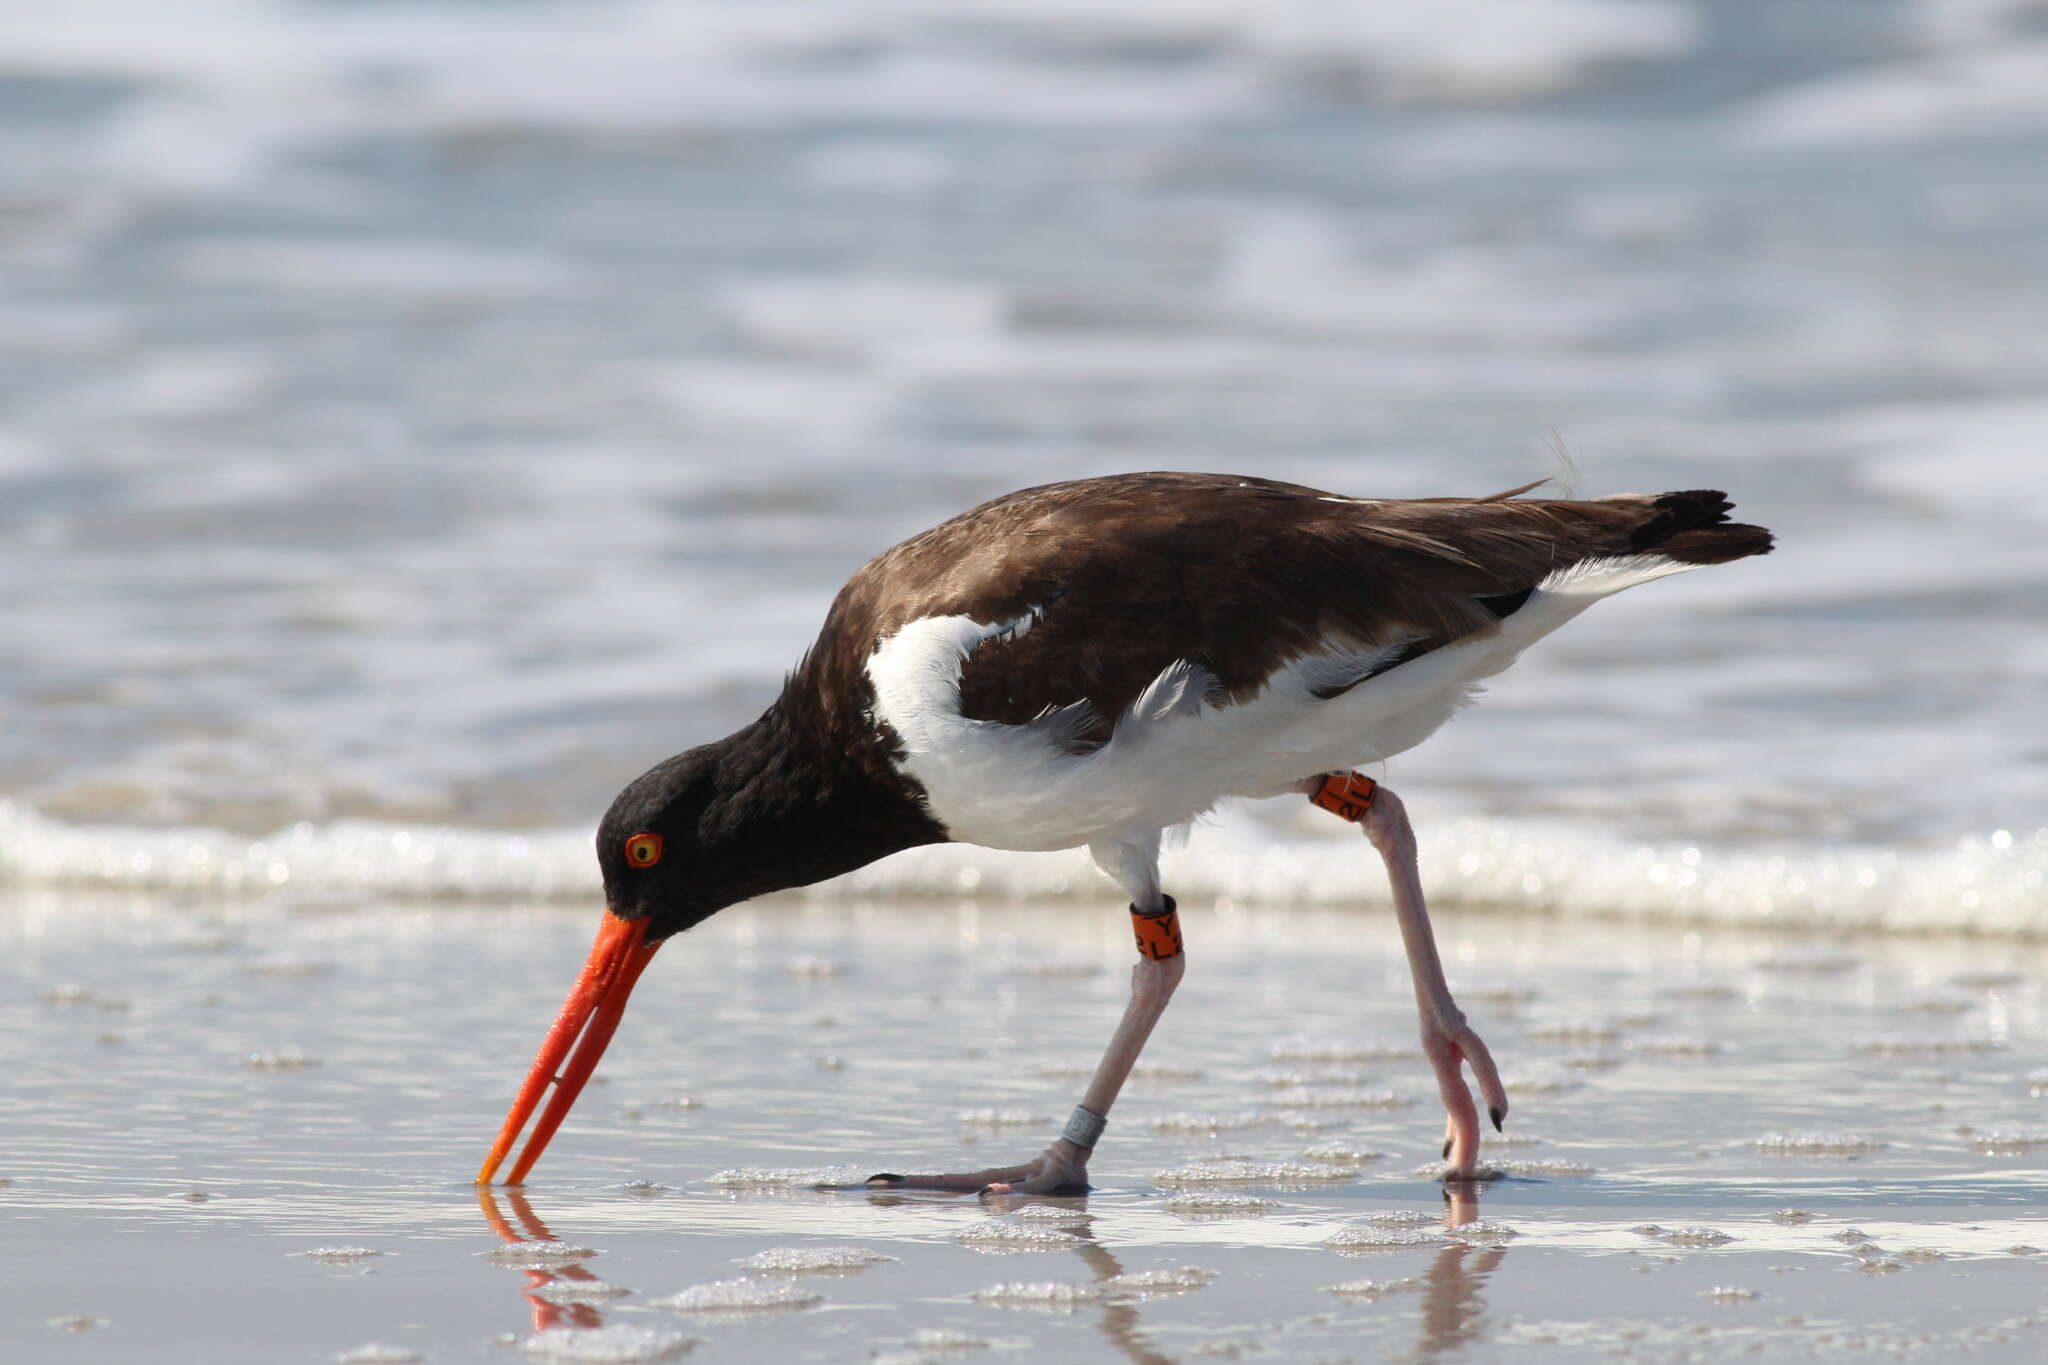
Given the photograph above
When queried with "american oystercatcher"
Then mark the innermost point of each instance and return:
(1090, 664)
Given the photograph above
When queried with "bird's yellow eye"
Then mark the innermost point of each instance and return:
(643, 850)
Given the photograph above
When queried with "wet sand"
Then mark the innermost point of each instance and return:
(246, 1133)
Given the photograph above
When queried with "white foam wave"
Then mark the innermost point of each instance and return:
(1995, 884)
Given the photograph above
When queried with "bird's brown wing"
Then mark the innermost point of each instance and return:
(1126, 575)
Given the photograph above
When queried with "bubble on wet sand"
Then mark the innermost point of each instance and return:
(807, 1260)
(1575, 1031)
(1816, 1144)
(283, 1059)
(1210, 1123)
(1309, 1098)
(1281, 1078)
(1729, 1293)
(784, 1177)
(1553, 1169)
(947, 1339)
(1483, 1230)
(1371, 1290)
(2010, 1143)
(1002, 1118)
(1684, 1237)
(74, 1322)
(1342, 1153)
(538, 1255)
(1207, 1204)
(1006, 1235)
(1921, 1255)
(287, 967)
(581, 1291)
(1924, 1047)
(1166, 1280)
(646, 1189)
(1399, 1218)
(338, 1255)
(614, 1345)
(1878, 1265)
(1792, 1217)
(1675, 1047)
(1304, 1047)
(1374, 1237)
(1243, 1171)
(742, 1295)
(1053, 1215)
(377, 1353)
(1052, 1296)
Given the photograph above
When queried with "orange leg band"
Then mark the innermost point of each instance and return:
(1158, 933)
(1348, 795)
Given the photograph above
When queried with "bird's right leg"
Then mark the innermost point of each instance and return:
(1447, 1040)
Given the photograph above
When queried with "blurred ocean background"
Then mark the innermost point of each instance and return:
(418, 418)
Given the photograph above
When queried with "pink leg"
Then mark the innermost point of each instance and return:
(1447, 1040)
(1062, 1168)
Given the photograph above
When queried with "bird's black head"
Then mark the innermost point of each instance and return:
(692, 835)
(649, 849)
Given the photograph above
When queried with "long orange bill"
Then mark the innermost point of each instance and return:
(591, 1014)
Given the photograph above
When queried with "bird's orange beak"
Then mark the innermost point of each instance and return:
(591, 1014)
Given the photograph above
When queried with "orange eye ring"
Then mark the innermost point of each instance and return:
(643, 850)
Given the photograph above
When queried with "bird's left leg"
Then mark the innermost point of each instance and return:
(1447, 1040)
(1062, 1168)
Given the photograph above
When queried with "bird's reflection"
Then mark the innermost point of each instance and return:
(546, 1312)
(1119, 1320)
(1453, 1307)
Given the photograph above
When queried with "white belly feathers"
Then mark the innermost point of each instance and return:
(1176, 752)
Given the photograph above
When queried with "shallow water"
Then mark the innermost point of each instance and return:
(238, 1133)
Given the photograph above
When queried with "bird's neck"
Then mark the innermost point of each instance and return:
(797, 803)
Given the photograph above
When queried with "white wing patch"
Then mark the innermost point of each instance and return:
(1180, 748)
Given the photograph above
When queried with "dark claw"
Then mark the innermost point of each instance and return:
(1496, 1116)
(885, 1178)
(1447, 1149)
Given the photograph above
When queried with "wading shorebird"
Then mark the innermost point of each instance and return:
(1088, 664)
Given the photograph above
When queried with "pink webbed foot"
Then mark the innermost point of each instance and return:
(1061, 1169)
(1451, 1045)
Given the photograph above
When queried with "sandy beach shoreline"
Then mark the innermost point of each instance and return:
(244, 1132)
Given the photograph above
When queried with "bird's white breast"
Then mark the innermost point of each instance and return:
(1180, 748)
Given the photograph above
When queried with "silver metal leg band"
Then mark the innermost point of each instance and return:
(1084, 1129)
